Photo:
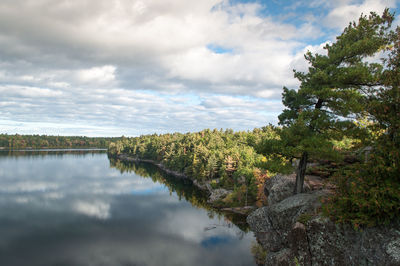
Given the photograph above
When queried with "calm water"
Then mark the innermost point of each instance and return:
(77, 208)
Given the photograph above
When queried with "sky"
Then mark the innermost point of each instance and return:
(133, 67)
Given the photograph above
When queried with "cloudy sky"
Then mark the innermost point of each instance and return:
(131, 67)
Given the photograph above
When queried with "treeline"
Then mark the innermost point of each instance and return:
(17, 141)
(59, 152)
(225, 159)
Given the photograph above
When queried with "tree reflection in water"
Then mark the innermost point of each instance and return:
(183, 189)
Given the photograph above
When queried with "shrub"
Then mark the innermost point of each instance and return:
(367, 193)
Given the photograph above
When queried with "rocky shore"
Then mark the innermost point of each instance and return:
(293, 232)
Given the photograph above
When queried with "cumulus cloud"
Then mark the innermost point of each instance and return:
(348, 11)
(120, 65)
(95, 75)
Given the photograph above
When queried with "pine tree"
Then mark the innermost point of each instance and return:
(334, 92)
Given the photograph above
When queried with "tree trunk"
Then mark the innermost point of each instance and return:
(301, 171)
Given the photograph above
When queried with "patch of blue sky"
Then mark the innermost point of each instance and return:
(300, 12)
(215, 241)
(219, 49)
(293, 12)
(290, 11)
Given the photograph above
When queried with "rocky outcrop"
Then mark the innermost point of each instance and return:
(273, 224)
(218, 194)
(342, 245)
(294, 233)
(281, 187)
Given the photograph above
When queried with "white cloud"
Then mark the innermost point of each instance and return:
(104, 74)
(28, 92)
(169, 38)
(341, 15)
(28, 186)
(299, 63)
(120, 65)
(97, 209)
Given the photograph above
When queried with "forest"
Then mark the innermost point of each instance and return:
(17, 141)
(228, 159)
(346, 111)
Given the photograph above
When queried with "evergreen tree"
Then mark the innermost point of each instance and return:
(334, 92)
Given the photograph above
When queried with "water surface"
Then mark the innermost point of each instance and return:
(74, 208)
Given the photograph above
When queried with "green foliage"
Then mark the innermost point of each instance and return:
(304, 218)
(42, 141)
(210, 155)
(368, 193)
(347, 101)
(333, 91)
(345, 144)
(260, 255)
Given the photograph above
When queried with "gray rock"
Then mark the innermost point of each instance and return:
(320, 241)
(393, 250)
(272, 224)
(285, 213)
(333, 244)
(267, 236)
(259, 220)
(217, 194)
(280, 187)
(283, 257)
(326, 244)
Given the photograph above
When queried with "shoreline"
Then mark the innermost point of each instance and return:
(242, 210)
(54, 149)
(124, 157)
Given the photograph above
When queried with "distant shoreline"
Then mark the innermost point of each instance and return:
(54, 149)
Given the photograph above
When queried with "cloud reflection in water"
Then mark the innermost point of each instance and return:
(76, 210)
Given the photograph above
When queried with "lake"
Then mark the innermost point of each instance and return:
(80, 208)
